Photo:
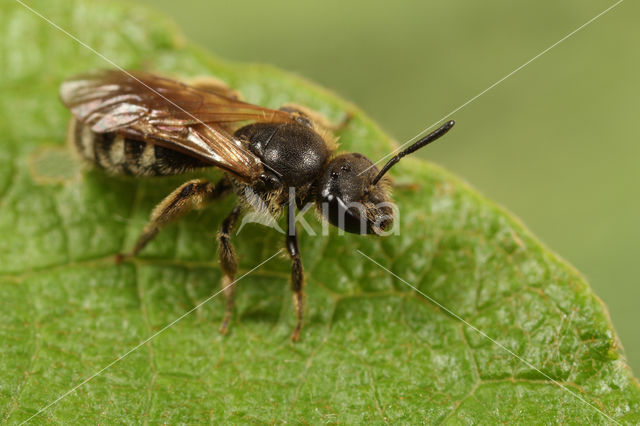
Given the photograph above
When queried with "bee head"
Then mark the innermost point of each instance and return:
(349, 199)
(353, 194)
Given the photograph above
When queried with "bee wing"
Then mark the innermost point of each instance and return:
(192, 120)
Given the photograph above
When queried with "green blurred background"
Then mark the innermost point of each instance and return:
(556, 143)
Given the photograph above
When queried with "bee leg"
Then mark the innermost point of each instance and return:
(228, 263)
(297, 271)
(317, 118)
(406, 186)
(215, 85)
(194, 194)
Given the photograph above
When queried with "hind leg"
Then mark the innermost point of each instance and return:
(320, 122)
(215, 85)
(228, 263)
(192, 195)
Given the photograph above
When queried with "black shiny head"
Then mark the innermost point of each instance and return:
(348, 199)
(353, 193)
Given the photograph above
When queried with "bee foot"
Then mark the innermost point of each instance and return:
(224, 327)
(295, 336)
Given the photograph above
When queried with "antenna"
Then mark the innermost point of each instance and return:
(436, 134)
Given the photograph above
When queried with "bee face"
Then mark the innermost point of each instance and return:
(348, 199)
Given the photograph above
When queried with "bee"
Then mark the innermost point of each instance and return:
(141, 124)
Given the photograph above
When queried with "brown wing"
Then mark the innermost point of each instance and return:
(166, 112)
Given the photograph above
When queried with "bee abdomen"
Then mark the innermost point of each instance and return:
(119, 155)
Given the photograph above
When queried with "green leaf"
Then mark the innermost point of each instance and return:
(372, 348)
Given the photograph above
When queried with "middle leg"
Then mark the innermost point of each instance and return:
(228, 263)
(297, 271)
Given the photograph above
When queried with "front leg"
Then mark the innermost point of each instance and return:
(297, 271)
